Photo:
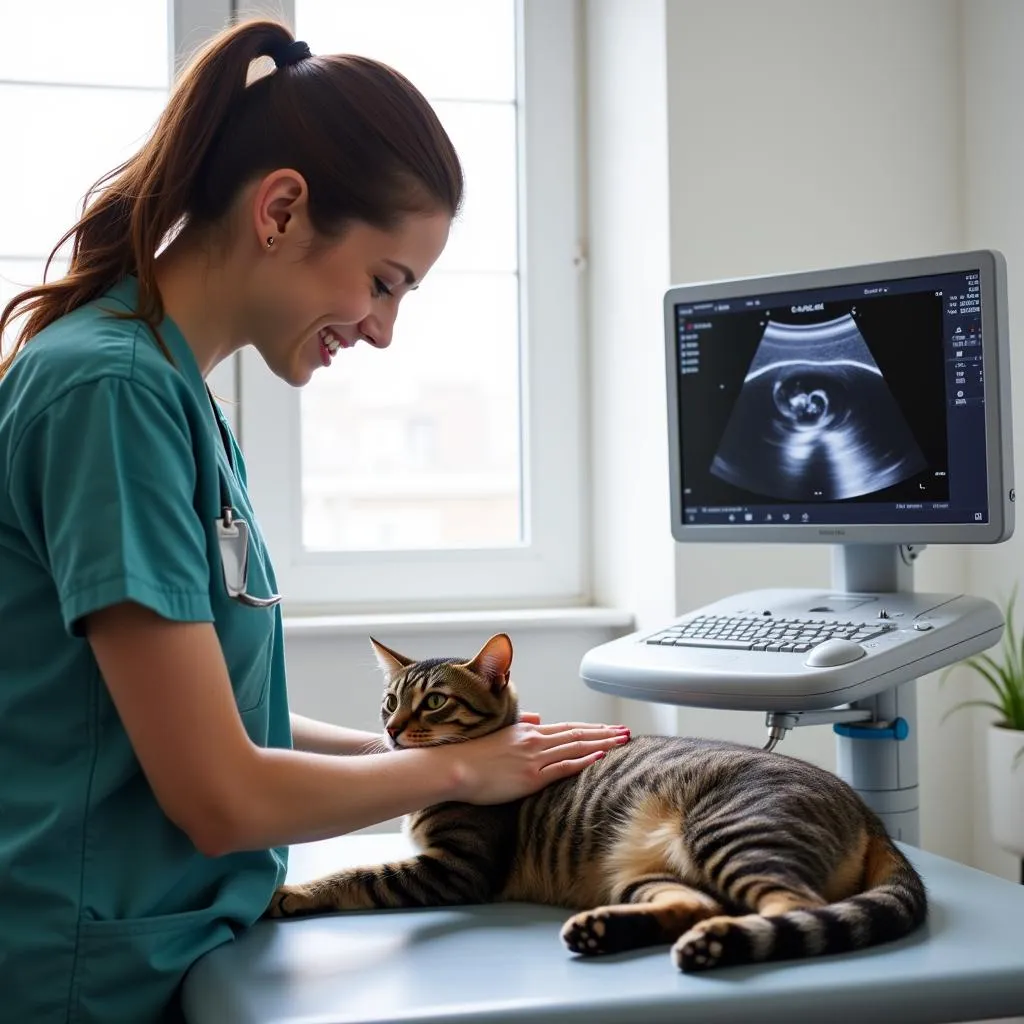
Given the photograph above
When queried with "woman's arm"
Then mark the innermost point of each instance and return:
(316, 737)
(170, 685)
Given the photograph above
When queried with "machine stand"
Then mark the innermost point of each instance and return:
(878, 756)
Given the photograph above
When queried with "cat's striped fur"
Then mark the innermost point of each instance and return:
(729, 853)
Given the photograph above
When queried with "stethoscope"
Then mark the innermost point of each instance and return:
(233, 537)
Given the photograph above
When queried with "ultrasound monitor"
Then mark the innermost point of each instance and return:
(868, 404)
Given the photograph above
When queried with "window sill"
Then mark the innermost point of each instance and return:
(518, 619)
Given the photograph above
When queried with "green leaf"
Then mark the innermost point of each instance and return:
(989, 670)
(970, 704)
(1015, 718)
(1010, 643)
(1018, 646)
(1007, 686)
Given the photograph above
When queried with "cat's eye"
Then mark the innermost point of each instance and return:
(390, 703)
(435, 701)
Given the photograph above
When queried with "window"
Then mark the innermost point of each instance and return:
(446, 471)
(385, 439)
(81, 86)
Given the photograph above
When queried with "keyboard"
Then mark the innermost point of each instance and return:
(746, 633)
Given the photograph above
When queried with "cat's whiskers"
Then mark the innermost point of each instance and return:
(374, 746)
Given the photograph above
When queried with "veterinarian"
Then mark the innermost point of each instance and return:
(151, 774)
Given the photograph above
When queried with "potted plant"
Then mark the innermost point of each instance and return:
(1005, 679)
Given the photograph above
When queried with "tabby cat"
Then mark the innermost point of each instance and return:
(732, 854)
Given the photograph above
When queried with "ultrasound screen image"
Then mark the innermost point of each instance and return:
(815, 419)
(824, 404)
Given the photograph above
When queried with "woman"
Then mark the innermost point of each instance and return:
(151, 774)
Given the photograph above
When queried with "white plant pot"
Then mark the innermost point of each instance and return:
(1006, 789)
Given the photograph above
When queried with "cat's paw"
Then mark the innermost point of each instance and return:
(587, 933)
(610, 930)
(288, 901)
(716, 942)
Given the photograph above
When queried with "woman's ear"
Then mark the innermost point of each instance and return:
(280, 208)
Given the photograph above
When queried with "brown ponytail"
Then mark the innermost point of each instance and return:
(368, 144)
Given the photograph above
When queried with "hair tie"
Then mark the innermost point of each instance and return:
(285, 54)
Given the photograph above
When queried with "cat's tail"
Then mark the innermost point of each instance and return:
(892, 903)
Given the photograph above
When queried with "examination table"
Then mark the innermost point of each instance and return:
(500, 964)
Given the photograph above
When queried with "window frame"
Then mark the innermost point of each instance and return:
(549, 567)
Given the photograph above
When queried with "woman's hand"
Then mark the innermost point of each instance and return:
(523, 758)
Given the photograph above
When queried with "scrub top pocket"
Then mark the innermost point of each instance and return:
(252, 678)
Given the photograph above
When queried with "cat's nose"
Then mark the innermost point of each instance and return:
(393, 730)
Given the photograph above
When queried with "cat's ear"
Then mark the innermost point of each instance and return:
(391, 662)
(493, 661)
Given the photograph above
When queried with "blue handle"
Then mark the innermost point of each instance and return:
(899, 730)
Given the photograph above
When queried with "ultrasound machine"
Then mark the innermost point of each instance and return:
(865, 408)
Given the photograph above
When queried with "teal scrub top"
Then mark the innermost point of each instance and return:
(111, 461)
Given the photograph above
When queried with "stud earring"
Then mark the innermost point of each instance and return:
(270, 241)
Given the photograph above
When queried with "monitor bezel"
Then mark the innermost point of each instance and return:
(998, 426)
